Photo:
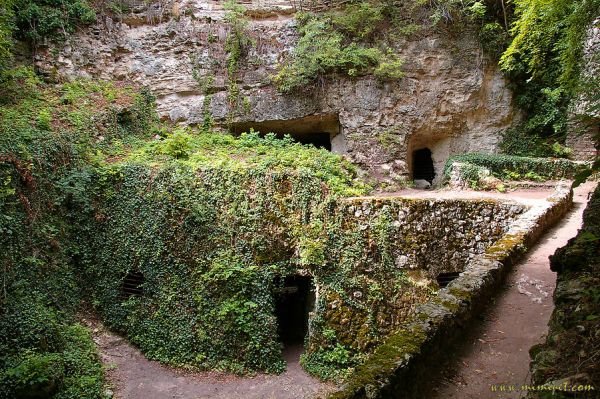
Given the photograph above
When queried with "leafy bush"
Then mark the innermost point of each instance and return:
(514, 167)
(177, 144)
(543, 62)
(36, 20)
(337, 44)
(360, 20)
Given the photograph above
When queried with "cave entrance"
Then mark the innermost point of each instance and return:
(295, 299)
(317, 139)
(321, 131)
(422, 165)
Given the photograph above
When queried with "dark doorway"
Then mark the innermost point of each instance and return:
(423, 165)
(294, 300)
(319, 140)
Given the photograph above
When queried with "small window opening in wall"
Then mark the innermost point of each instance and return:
(295, 299)
(132, 285)
(423, 165)
(443, 279)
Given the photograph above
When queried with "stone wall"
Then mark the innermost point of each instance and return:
(435, 235)
(407, 240)
(401, 365)
(451, 100)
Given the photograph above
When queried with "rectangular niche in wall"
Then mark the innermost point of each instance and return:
(132, 285)
(294, 300)
(322, 131)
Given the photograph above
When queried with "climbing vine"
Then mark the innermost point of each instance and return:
(543, 61)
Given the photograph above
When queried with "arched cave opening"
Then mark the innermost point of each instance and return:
(321, 131)
(132, 285)
(294, 300)
(422, 165)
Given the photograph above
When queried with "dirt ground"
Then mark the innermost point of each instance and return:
(132, 376)
(495, 351)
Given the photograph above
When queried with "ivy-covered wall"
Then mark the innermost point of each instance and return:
(211, 243)
(46, 136)
(95, 188)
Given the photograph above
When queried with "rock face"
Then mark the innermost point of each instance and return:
(451, 100)
(584, 118)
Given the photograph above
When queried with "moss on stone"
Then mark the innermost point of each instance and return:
(508, 244)
(395, 352)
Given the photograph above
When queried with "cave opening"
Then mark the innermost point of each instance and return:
(321, 131)
(422, 165)
(294, 300)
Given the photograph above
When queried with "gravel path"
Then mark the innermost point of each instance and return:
(496, 351)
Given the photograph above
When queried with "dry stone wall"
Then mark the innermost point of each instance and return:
(435, 235)
(400, 366)
(451, 100)
(417, 239)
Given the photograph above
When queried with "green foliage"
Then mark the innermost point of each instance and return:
(93, 188)
(360, 20)
(509, 167)
(337, 43)
(17, 83)
(494, 38)
(237, 45)
(543, 62)
(6, 33)
(361, 37)
(389, 68)
(515, 141)
(37, 20)
(177, 144)
(44, 168)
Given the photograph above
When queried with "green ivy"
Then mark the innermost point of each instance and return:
(510, 167)
(45, 158)
(543, 62)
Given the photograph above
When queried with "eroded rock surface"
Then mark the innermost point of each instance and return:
(451, 100)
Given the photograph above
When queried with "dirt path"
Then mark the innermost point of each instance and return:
(132, 376)
(496, 351)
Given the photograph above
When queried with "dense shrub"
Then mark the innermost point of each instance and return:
(48, 140)
(339, 43)
(543, 62)
(510, 167)
(36, 20)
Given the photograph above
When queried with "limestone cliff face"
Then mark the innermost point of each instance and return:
(451, 100)
(584, 117)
